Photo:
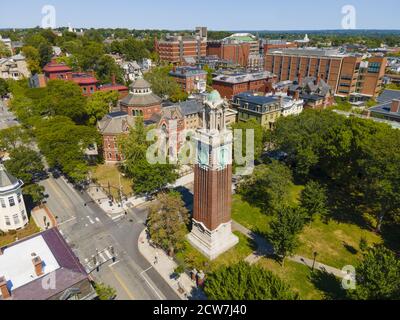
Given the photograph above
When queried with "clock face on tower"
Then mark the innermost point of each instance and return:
(223, 156)
(203, 155)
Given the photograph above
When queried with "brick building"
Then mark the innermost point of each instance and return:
(278, 44)
(87, 82)
(190, 79)
(122, 90)
(240, 48)
(348, 76)
(231, 84)
(111, 127)
(141, 101)
(174, 49)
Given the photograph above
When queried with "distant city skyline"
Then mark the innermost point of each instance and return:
(289, 15)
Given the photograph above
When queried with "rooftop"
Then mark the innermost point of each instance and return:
(187, 72)
(115, 123)
(240, 77)
(254, 99)
(309, 52)
(8, 181)
(57, 258)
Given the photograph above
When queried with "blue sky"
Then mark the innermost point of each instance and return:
(215, 14)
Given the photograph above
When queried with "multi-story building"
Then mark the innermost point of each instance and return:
(174, 49)
(190, 79)
(266, 109)
(388, 107)
(277, 44)
(348, 76)
(122, 90)
(239, 48)
(229, 84)
(13, 215)
(15, 68)
(43, 267)
(111, 127)
(141, 101)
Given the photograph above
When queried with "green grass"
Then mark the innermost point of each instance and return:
(194, 259)
(337, 244)
(30, 230)
(104, 174)
(249, 216)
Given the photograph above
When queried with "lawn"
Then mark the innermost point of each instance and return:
(104, 174)
(309, 286)
(194, 259)
(337, 244)
(9, 238)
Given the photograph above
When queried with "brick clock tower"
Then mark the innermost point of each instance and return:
(212, 224)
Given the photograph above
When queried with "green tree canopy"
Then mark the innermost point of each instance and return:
(285, 230)
(98, 105)
(378, 276)
(168, 221)
(245, 282)
(146, 177)
(268, 187)
(314, 200)
(24, 163)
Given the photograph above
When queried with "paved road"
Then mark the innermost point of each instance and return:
(87, 228)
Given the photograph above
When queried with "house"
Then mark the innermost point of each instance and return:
(13, 214)
(190, 79)
(132, 71)
(43, 267)
(122, 90)
(265, 109)
(111, 127)
(315, 92)
(14, 67)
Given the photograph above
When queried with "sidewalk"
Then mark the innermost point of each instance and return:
(43, 218)
(101, 198)
(166, 266)
(264, 248)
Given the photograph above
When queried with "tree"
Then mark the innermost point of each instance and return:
(167, 222)
(13, 137)
(98, 105)
(268, 187)
(245, 282)
(105, 292)
(162, 84)
(378, 276)
(24, 164)
(146, 177)
(284, 231)
(34, 193)
(64, 98)
(4, 50)
(33, 59)
(259, 136)
(106, 68)
(63, 143)
(3, 88)
(314, 200)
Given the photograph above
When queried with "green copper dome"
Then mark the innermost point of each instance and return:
(214, 97)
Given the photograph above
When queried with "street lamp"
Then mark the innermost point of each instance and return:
(315, 258)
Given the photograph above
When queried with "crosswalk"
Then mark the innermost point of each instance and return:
(102, 257)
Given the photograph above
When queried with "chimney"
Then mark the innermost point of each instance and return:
(38, 265)
(296, 95)
(395, 107)
(6, 294)
(113, 79)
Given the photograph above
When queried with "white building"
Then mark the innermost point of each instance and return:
(289, 106)
(13, 215)
(15, 68)
(7, 42)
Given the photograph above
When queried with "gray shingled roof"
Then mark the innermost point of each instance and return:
(388, 96)
(6, 179)
(115, 123)
(140, 84)
(141, 100)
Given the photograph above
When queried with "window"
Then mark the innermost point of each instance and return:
(16, 219)
(19, 198)
(24, 217)
(3, 203)
(7, 219)
(11, 201)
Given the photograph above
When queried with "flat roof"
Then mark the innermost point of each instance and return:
(16, 262)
